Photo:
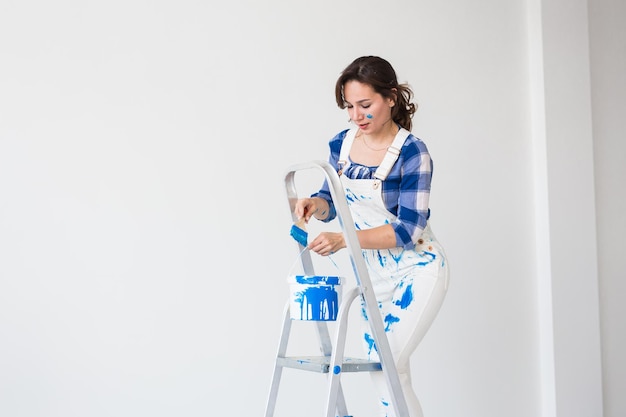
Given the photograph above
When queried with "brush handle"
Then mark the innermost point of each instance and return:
(301, 223)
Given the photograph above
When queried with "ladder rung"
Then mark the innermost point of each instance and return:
(322, 364)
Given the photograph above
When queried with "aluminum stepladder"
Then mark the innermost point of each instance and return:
(332, 360)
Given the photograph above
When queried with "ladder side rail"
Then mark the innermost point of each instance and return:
(336, 361)
(292, 197)
(323, 335)
(326, 348)
(305, 260)
(363, 281)
(278, 369)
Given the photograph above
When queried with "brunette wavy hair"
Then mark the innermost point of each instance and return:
(380, 75)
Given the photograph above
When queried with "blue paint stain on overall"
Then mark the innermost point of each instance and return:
(406, 299)
(381, 259)
(371, 346)
(390, 319)
(398, 257)
(350, 196)
(430, 257)
(366, 224)
(383, 256)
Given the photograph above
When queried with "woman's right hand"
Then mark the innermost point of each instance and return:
(305, 208)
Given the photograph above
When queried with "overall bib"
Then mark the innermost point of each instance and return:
(409, 284)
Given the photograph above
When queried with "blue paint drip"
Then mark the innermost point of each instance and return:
(407, 297)
(319, 303)
(390, 319)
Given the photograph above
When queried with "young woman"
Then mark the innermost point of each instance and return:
(386, 174)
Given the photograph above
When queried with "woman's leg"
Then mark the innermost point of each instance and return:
(407, 316)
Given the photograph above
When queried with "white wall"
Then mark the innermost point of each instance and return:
(143, 226)
(571, 378)
(608, 79)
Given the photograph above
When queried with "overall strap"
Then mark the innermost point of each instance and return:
(392, 154)
(346, 145)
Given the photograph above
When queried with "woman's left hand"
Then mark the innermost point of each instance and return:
(327, 243)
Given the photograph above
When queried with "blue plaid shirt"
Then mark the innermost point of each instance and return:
(405, 192)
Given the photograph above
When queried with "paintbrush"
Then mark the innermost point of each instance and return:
(299, 233)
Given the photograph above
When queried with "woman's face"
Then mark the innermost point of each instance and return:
(369, 110)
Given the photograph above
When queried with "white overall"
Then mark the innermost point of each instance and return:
(410, 285)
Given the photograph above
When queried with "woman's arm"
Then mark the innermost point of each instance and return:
(414, 194)
(382, 237)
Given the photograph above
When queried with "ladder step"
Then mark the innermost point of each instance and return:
(322, 364)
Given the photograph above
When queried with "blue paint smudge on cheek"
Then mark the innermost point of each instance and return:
(390, 319)
(407, 297)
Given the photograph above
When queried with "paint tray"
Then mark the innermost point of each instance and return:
(314, 297)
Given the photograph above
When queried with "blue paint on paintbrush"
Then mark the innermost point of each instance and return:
(299, 233)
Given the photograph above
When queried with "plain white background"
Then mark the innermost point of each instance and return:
(144, 230)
